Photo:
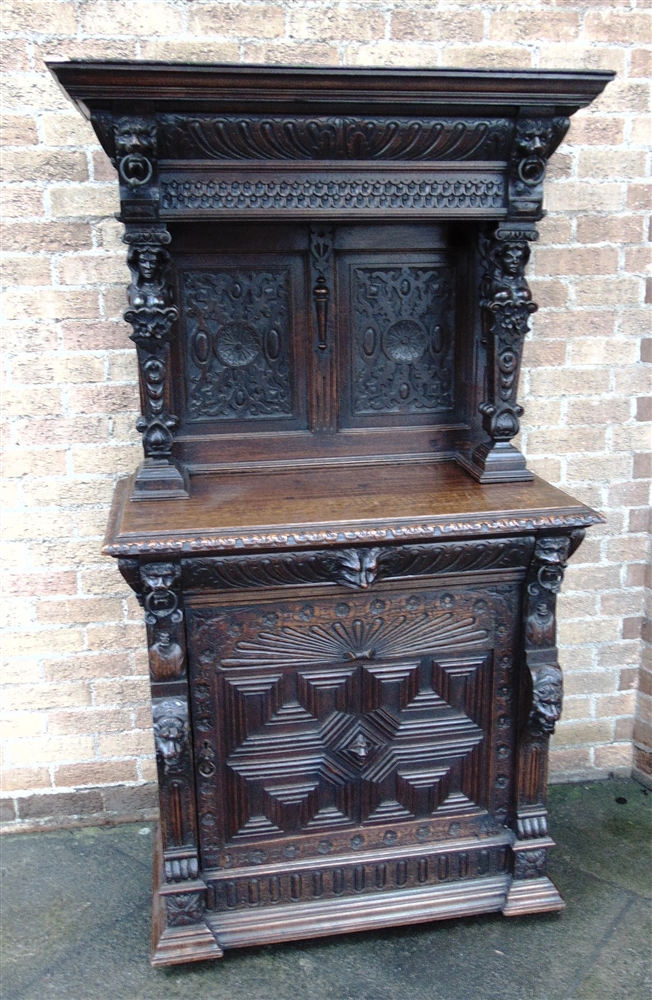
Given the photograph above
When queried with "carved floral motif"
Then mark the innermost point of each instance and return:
(184, 909)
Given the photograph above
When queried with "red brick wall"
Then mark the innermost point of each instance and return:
(76, 736)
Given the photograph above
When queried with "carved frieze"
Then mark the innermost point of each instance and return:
(357, 568)
(238, 343)
(256, 137)
(402, 340)
(353, 192)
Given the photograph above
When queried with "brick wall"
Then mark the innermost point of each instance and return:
(76, 735)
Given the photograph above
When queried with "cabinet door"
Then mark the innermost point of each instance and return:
(333, 723)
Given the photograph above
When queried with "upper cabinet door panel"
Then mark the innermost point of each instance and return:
(242, 316)
(397, 337)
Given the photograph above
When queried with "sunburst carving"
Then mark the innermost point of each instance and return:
(358, 640)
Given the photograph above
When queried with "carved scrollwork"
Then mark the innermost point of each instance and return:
(171, 730)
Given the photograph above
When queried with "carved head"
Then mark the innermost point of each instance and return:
(170, 728)
(547, 696)
(135, 135)
(552, 549)
(533, 138)
(148, 261)
(513, 257)
(159, 576)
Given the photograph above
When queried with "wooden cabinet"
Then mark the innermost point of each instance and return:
(347, 571)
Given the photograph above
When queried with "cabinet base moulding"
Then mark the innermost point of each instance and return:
(534, 895)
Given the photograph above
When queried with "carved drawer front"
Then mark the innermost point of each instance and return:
(351, 722)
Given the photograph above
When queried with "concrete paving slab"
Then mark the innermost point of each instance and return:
(76, 906)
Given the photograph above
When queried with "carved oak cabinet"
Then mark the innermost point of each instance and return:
(347, 571)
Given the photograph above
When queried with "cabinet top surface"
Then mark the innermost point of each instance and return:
(342, 505)
(175, 86)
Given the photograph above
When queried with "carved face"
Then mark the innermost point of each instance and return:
(135, 135)
(170, 728)
(534, 138)
(548, 688)
(159, 576)
(147, 262)
(513, 258)
(552, 550)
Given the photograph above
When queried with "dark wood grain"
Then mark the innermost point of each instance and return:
(348, 574)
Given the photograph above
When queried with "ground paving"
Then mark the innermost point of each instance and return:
(76, 905)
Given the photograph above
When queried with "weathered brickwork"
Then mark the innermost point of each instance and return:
(76, 737)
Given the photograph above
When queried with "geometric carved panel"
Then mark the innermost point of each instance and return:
(238, 335)
(402, 340)
(370, 743)
(333, 714)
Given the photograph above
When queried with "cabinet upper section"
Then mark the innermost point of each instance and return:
(254, 140)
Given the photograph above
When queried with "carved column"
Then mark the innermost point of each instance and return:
(506, 301)
(181, 897)
(506, 304)
(151, 311)
(540, 708)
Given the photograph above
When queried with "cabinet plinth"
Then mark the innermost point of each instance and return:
(347, 571)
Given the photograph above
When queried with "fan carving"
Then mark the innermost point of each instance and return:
(358, 640)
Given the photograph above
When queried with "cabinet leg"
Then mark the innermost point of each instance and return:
(179, 932)
(531, 890)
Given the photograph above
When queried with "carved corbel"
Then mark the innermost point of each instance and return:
(135, 159)
(506, 306)
(534, 142)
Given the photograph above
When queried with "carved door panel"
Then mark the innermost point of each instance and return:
(397, 337)
(327, 724)
(242, 315)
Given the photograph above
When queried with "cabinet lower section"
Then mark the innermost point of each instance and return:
(351, 754)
